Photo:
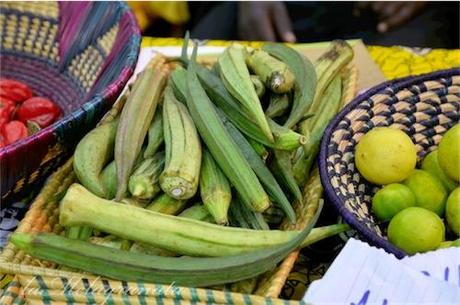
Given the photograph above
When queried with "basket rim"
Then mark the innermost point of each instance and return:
(396, 85)
(107, 93)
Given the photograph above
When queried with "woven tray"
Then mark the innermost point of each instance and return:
(424, 107)
(44, 212)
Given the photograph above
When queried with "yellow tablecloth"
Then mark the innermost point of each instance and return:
(393, 61)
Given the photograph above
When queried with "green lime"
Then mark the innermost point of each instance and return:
(430, 164)
(453, 211)
(385, 155)
(449, 153)
(391, 199)
(429, 192)
(450, 243)
(416, 230)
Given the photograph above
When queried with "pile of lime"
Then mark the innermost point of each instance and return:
(417, 202)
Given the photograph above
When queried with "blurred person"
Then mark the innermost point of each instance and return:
(161, 18)
(409, 23)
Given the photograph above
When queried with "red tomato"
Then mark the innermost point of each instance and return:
(13, 131)
(39, 110)
(14, 90)
(6, 109)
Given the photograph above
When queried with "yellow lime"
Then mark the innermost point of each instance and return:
(449, 153)
(385, 155)
(391, 199)
(453, 211)
(416, 230)
(430, 164)
(429, 193)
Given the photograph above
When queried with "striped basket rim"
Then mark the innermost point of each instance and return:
(395, 85)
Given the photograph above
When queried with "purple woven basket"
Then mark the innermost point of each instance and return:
(424, 107)
(79, 54)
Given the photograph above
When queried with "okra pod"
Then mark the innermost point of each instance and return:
(155, 134)
(286, 140)
(136, 117)
(166, 205)
(258, 85)
(144, 181)
(305, 79)
(214, 189)
(282, 167)
(92, 154)
(263, 173)
(235, 76)
(279, 105)
(274, 73)
(197, 212)
(224, 150)
(181, 173)
(315, 127)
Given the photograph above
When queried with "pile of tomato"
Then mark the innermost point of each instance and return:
(22, 113)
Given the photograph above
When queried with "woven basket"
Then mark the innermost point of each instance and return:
(78, 54)
(424, 107)
(44, 212)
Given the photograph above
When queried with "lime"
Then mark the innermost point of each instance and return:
(449, 153)
(416, 230)
(450, 243)
(385, 155)
(391, 199)
(453, 211)
(430, 164)
(429, 192)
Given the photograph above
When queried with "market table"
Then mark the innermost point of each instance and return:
(393, 62)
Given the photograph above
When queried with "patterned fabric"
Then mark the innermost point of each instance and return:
(398, 62)
(423, 107)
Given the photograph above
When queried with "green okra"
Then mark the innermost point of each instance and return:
(144, 181)
(198, 212)
(282, 168)
(235, 76)
(136, 117)
(305, 79)
(92, 154)
(215, 189)
(258, 85)
(155, 134)
(224, 150)
(181, 173)
(278, 106)
(263, 173)
(167, 205)
(274, 73)
(314, 127)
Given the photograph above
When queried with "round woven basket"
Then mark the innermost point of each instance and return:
(79, 54)
(424, 107)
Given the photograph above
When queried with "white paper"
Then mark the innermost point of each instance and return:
(146, 54)
(443, 264)
(364, 275)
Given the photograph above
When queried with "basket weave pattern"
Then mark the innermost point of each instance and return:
(78, 54)
(423, 107)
